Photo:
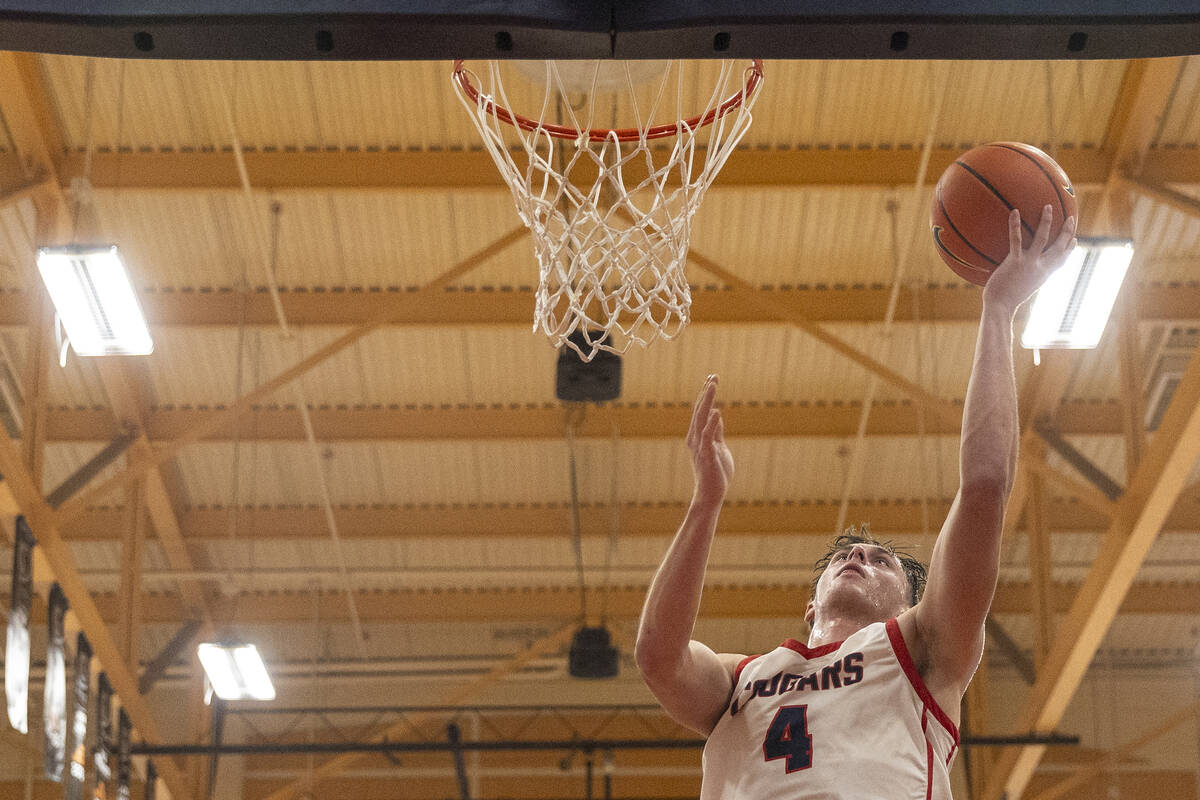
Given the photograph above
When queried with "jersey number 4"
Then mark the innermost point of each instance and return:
(788, 738)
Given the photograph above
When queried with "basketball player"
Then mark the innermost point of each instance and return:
(868, 707)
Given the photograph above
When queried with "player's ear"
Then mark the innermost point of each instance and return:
(810, 613)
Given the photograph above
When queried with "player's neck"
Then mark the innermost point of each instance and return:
(838, 627)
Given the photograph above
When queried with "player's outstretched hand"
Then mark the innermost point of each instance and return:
(712, 463)
(1025, 269)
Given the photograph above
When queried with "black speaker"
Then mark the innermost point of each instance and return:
(587, 382)
(592, 654)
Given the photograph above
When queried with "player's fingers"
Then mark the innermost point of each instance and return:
(1057, 253)
(710, 427)
(719, 434)
(700, 412)
(1014, 232)
(1066, 237)
(1042, 236)
(1051, 262)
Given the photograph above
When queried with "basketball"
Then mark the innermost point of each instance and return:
(975, 194)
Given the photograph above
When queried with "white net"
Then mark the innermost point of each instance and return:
(610, 208)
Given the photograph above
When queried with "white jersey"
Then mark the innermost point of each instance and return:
(851, 720)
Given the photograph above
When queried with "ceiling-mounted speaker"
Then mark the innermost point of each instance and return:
(592, 654)
(580, 381)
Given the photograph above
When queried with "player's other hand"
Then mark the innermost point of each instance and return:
(1026, 268)
(712, 463)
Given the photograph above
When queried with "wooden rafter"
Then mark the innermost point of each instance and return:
(129, 596)
(451, 169)
(1132, 378)
(1037, 533)
(413, 520)
(513, 306)
(743, 419)
(561, 601)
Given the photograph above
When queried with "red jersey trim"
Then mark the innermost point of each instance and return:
(811, 652)
(928, 758)
(737, 673)
(914, 677)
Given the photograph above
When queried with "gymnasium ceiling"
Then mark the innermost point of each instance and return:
(437, 443)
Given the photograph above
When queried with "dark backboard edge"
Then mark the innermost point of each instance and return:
(443, 29)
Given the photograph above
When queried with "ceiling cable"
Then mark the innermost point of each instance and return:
(573, 412)
(614, 520)
(1051, 127)
(80, 187)
(922, 440)
(244, 176)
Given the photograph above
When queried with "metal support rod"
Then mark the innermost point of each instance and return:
(454, 738)
(1027, 739)
(280, 748)
(167, 656)
(216, 734)
(574, 745)
(1011, 650)
(95, 465)
(1092, 473)
(489, 709)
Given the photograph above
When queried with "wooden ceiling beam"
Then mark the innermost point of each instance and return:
(399, 521)
(561, 602)
(513, 306)
(426, 422)
(274, 171)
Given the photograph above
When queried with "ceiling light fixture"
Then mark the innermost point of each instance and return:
(235, 671)
(1073, 305)
(94, 300)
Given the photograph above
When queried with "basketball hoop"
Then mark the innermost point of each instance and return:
(609, 211)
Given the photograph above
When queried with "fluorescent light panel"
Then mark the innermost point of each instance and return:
(1073, 306)
(95, 301)
(236, 671)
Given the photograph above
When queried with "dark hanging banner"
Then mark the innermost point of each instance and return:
(151, 781)
(104, 695)
(77, 768)
(54, 705)
(124, 763)
(16, 654)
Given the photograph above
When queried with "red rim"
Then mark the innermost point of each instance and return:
(622, 134)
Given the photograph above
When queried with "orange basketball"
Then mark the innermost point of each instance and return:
(975, 194)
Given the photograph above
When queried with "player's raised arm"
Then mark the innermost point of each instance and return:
(963, 569)
(691, 681)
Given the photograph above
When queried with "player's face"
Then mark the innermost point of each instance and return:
(864, 578)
